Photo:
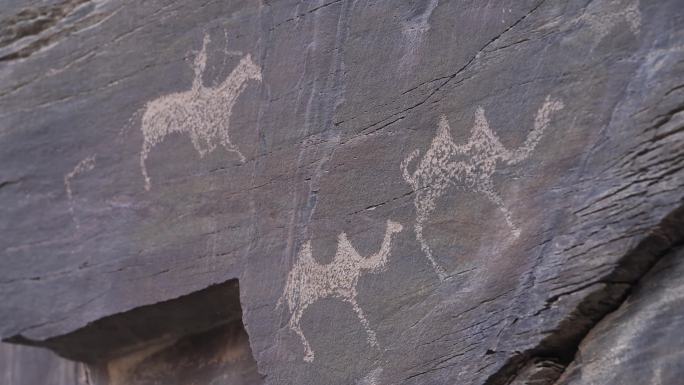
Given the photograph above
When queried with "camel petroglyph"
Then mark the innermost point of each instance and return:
(309, 281)
(203, 113)
(469, 166)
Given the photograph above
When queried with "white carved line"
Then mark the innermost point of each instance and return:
(309, 281)
(443, 167)
(203, 113)
(84, 165)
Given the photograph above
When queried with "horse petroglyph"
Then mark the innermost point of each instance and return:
(203, 113)
(469, 166)
(84, 165)
(309, 281)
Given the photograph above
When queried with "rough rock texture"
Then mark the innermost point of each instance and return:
(640, 342)
(196, 338)
(21, 365)
(419, 192)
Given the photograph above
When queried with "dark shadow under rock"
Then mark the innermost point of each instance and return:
(198, 338)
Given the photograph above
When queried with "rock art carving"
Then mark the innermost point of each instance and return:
(309, 281)
(372, 378)
(203, 113)
(601, 24)
(84, 165)
(469, 166)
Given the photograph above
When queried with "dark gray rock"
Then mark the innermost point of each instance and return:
(510, 170)
(640, 342)
(167, 322)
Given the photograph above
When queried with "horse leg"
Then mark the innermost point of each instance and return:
(228, 145)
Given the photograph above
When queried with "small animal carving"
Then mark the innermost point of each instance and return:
(203, 113)
(469, 166)
(309, 281)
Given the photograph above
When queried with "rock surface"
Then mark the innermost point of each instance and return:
(421, 192)
(640, 342)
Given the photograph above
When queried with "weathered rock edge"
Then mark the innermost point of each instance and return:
(562, 344)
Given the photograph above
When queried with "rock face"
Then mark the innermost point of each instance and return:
(638, 343)
(421, 192)
(21, 365)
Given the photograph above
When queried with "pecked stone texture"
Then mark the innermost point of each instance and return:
(530, 152)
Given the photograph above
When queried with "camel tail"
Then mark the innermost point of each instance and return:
(408, 177)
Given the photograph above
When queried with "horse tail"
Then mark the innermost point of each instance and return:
(131, 122)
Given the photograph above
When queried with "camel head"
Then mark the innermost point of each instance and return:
(394, 227)
(249, 68)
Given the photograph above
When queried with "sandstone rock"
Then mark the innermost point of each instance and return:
(21, 365)
(639, 342)
(531, 152)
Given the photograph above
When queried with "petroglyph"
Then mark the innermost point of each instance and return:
(602, 23)
(371, 378)
(468, 167)
(84, 165)
(203, 113)
(309, 281)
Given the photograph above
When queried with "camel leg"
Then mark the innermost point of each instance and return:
(487, 188)
(441, 273)
(233, 148)
(294, 325)
(372, 339)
